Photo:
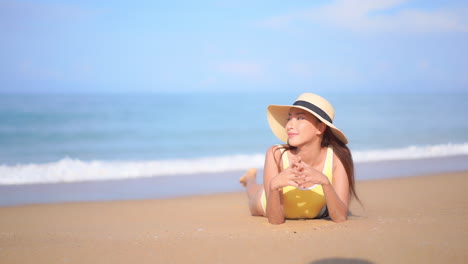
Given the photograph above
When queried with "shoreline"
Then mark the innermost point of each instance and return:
(404, 220)
(162, 187)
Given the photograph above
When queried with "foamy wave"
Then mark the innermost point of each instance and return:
(412, 152)
(74, 170)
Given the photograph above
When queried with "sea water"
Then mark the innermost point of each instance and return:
(49, 138)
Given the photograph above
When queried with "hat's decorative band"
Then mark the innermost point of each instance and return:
(314, 109)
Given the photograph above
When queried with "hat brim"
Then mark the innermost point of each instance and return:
(278, 117)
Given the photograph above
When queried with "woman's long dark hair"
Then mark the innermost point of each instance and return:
(345, 156)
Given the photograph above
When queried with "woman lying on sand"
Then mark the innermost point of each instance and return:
(310, 177)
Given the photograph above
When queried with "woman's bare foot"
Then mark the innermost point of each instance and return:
(250, 174)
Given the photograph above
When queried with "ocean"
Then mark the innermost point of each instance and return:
(60, 138)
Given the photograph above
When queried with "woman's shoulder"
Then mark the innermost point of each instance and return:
(281, 146)
(276, 151)
(278, 148)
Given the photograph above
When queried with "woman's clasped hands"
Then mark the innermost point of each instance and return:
(299, 174)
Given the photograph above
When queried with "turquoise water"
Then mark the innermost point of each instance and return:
(53, 138)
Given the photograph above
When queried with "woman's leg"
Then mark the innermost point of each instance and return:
(254, 192)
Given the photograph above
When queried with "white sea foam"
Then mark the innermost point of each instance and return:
(74, 170)
(412, 152)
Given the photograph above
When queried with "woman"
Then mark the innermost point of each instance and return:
(310, 177)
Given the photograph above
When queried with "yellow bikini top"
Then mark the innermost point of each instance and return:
(309, 202)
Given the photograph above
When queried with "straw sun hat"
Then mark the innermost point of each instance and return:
(312, 103)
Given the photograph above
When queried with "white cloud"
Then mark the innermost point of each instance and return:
(376, 16)
(279, 22)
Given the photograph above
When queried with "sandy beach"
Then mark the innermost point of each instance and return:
(420, 219)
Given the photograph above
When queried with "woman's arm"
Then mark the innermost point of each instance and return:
(337, 194)
(274, 181)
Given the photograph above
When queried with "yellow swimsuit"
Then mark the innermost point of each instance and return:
(308, 202)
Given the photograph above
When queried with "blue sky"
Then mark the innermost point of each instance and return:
(191, 46)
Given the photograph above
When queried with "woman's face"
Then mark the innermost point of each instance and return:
(303, 127)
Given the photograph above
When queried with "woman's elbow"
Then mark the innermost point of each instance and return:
(339, 219)
(275, 220)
